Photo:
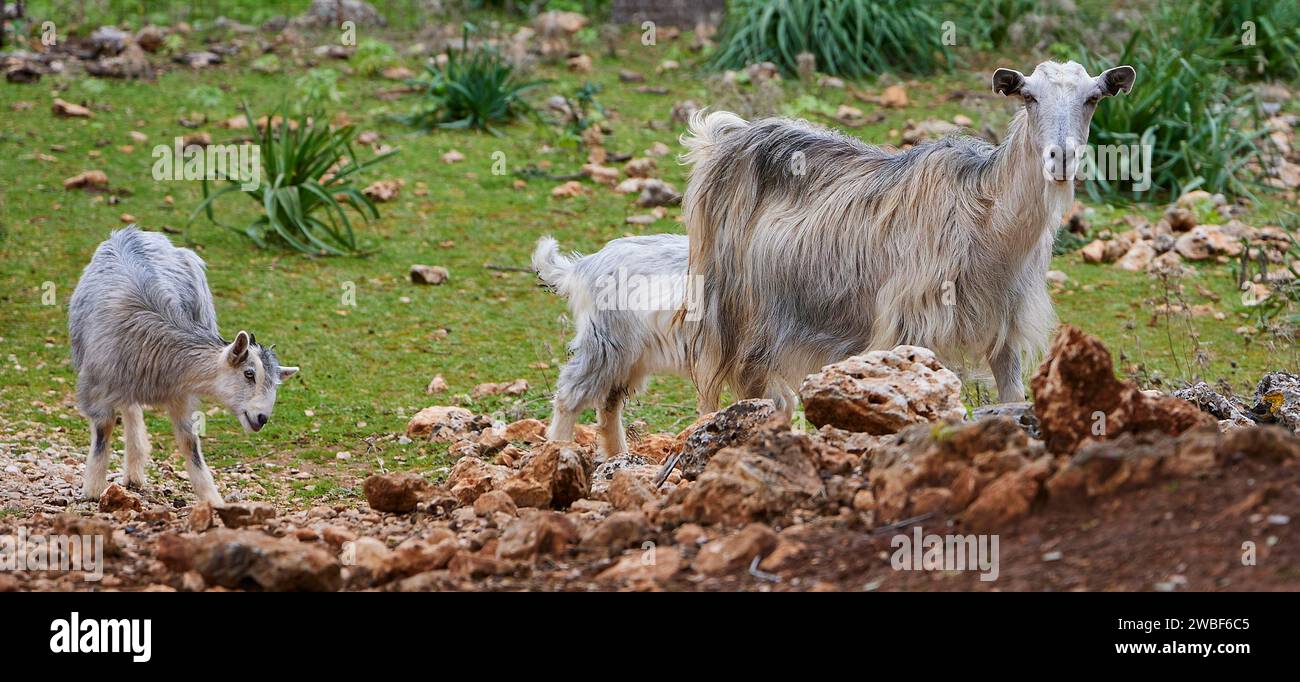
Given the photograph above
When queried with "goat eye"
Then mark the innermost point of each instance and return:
(250, 375)
(1029, 99)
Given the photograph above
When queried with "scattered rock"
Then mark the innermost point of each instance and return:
(883, 391)
(116, 498)
(1078, 398)
(92, 179)
(382, 191)
(621, 530)
(239, 515)
(735, 551)
(399, 492)
(656, 192)
(555, 476)
(537, 532)
(730, 426)
(429, 274)
(242, 559)
(894, 97)
(70, 110)
(773, 473)
(441, 424)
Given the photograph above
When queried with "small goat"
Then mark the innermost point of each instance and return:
(144, 332)
(623, 300)
(812, 246)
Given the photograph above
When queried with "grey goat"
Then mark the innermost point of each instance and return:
(812, 246)
(625, 301)
(144, 332)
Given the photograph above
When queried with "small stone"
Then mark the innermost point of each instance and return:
(398, 492)
(429, 274)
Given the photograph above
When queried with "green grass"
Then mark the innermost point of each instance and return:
(364, 368)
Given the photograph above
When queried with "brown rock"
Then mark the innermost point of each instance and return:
(429, 274)
(441, 424)
(470, 566)
(735, 551)
(200, 517)
(555, 475)
(239, 515)
(531, 431)
(91, 179)
(418, 556)
(730, 426)
(398, 492)
(495, 501)
(632, 489)
(774, 472)
(70, 110)
(241, 559)
(115, 498)
(883, 391)
(620, 531)
(1078, 398)
(470, 477)
(537, 532)
(1180, 219)
(656, 565)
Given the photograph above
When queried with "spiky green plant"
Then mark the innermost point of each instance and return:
(307, 168)
(853, 38)
(1201, 131)
(477, 88)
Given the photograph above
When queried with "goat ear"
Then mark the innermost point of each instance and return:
(238, 352)
(1120, 78)
(286, 372)
(1008, 81)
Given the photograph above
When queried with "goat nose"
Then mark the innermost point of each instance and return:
(261, 420)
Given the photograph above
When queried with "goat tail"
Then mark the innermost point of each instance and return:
(703, 132)
(555, 270)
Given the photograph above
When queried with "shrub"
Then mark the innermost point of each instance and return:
(315, 89)
(853, 38)
(1199, 133)
(1264, 35)
(373, 56)
(477, 88)
(306, 186)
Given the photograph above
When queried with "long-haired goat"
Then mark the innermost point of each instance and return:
(812, 246)
(144, 332)
(624, 300)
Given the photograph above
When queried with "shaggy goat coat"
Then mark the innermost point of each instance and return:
(813, 246)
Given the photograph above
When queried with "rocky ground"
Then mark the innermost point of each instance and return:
(1117, 489)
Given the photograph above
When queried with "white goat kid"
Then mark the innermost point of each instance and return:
(144, 332)
(812, 246)
(626, 302)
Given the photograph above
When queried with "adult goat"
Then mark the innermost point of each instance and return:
(812, 246)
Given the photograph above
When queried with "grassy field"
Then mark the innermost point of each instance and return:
(365, 367)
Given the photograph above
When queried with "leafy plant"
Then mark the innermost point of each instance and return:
(316, 88)
(476, 88)
(994, 18)
(373, 56)
(1262, 34)
(307, 169)
(267, 63)
(853, 38)
(1199, 134)
(584, 112)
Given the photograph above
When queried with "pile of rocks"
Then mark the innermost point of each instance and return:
(741, 490)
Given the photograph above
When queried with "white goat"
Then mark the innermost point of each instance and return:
(812, 246)
(144, 332)
(624, 300)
